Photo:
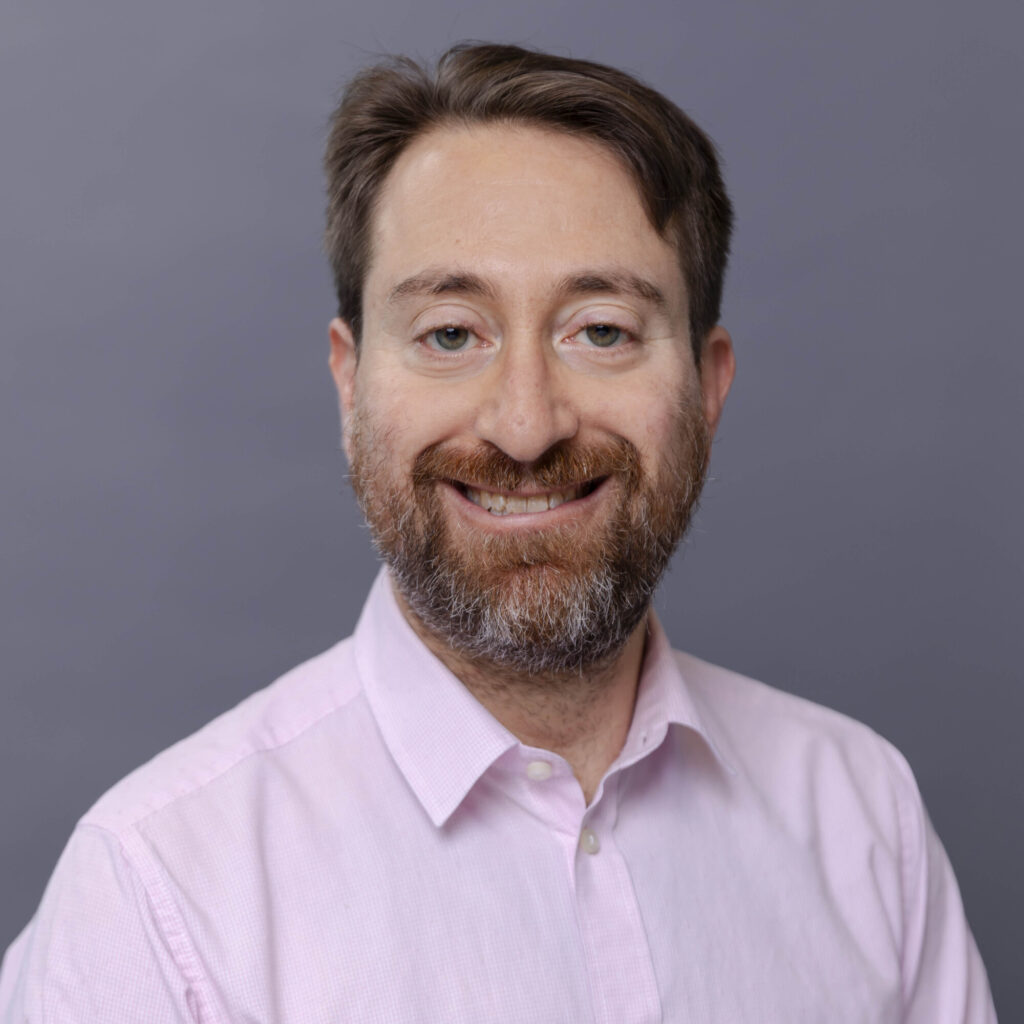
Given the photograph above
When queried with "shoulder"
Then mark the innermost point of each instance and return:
(764, 715)
(789, 746)
(266, 722)
(190, 821)
(815, 788)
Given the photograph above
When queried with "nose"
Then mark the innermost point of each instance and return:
(526, 407)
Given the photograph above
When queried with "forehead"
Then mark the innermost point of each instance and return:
(505, 200)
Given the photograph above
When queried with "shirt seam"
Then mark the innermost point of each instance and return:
(216, 771)
(906, 857)
(170, 924)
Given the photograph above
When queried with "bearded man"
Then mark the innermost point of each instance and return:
(506, 798)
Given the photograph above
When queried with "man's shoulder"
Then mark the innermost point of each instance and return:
(263, 723)
(770, 734)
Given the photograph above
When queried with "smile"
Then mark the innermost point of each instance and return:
(515, 504)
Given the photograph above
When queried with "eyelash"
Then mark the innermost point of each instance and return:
(627, 340)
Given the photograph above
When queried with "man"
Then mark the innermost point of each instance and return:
(505, 798)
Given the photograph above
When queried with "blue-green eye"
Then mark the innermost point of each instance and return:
(451, 339)
(602, 335)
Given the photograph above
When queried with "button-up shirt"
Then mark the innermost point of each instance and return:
(363, 841)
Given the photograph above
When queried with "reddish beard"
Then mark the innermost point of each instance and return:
(547, 601)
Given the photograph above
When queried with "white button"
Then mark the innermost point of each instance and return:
(589, 843)
(538, 771)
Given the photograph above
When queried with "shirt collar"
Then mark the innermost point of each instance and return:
(443, 740)
(663, 698)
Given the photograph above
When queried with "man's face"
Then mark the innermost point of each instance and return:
(526, 429)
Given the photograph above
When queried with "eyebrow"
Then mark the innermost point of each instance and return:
(588, 282)
(441, 283)
(615, 281)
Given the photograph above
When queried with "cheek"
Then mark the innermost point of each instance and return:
(409, 416)
(664, 424)
(649, 412)
(659, 416)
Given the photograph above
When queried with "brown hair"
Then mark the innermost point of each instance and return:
(673, 163)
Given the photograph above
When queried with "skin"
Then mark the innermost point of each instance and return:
(525, 239)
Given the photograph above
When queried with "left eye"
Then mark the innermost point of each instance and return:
(603, 335)
(451, 339)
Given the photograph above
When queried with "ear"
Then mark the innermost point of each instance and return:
(717, 369)
(343, 359)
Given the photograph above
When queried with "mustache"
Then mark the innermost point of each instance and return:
(564, 465)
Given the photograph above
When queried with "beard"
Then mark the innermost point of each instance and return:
(547, 602)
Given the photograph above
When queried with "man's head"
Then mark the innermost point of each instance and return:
(525, 418)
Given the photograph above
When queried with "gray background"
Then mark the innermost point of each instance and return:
(175, 526)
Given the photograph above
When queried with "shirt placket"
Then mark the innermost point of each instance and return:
(618, 957)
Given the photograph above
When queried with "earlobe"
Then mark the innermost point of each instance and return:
(717, 369)
(343, 360)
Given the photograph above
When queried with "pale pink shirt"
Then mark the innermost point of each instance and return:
(362, 841)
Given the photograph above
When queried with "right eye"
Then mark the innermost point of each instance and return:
(449, 338)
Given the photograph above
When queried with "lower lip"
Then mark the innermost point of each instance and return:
(568, 512)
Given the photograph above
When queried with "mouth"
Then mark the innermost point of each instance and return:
(502, 504)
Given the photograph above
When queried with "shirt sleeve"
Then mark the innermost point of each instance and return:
(944, 979)
(96, 950)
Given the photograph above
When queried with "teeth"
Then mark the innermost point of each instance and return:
(509, 504)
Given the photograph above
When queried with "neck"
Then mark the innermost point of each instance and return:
(583, 716)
